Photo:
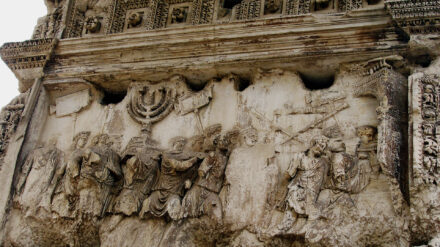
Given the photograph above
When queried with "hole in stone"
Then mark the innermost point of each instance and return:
(316, 81)
(420, 242)
(241, 84)
(423, 60)
(372, 2)
(196, 86)
(113, 97)
(229, 4)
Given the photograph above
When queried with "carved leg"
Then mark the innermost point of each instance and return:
(143, 214)
(174, 207)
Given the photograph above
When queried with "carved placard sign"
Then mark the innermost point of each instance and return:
(72, 103)
(191, 102)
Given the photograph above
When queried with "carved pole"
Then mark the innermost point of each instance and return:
(10, 167)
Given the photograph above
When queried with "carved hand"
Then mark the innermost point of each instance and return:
(188, 184)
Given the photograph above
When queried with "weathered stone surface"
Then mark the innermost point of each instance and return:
(224, 123)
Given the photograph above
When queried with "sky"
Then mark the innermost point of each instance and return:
(17, 21)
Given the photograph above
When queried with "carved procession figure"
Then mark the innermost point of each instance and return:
(140, 168)
(308, 171)
(349, 173)
(96, 171)
(39, 177)
(366, 150)
(73, 167)
(176, 173)
(202, 198)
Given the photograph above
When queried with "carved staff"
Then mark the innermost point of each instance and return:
(192, 102)
(272, 124)
(338, 109)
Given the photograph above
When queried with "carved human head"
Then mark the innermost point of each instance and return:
(230, 139)
(196, 143)
(366, 133)
(93, 24)
(80, 140)
(178, 143)
(334, 133)
(135, 19)
(428, 88)
(212, 136)
(272, 6)
(429, 113)
(101, 140)
(318, 145)
(250, 136)
(179, 15)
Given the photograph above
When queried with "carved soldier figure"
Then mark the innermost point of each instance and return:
(140, 173)
(203, 197)
(97, 169)
(308, 171)
(177, 170)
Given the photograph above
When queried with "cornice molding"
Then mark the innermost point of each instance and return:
(200, 52)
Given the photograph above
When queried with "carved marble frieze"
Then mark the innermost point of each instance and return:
(224, 123)
(218, 158)
(107, 17)
(425, 154)
(416, 17)
(426, 167)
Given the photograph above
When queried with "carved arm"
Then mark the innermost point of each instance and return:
(183, 165)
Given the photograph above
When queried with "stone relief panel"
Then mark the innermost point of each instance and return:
(424, 187)
(428, 103)
(197, 167)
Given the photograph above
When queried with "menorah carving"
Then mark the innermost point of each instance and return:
(149, 104)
